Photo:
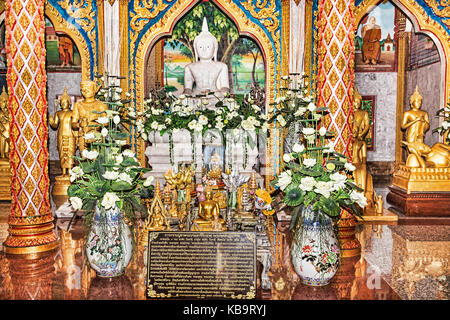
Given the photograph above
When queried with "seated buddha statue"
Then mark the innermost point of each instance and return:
(209, 214)
(208, 74)
(416, 122)
(83, 115)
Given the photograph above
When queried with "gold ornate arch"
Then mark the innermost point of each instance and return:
(423, 23)
(245, 26)
(62, 25)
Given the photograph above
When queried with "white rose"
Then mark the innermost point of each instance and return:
(359, 198)
(308, 131)
(75, 173)
(309, 162)
(119, 159)
(307, 183)
(144, 136)
(324, 188)
(445, 125)
(349, 166)
(281, 120)
(297, 148)
(203, 120)
(311, 106)
(89, 136)
(104, 132)
(102, 120)
(284, 179)
(339, 180)
(256, 108)
(219, 125)
(287, 157)
(125, 177)
(111, 175)
(128, 153)
(148, 181)
(109, 200)
(323, 131)
(91, 155)
(247, 125)
(116, 119)
(192, 124)
(76, 203)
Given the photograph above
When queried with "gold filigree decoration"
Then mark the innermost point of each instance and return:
(152, 236)
(83, 13)
(442, 13)
(249, 295)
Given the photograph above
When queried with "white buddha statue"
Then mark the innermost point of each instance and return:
(208, 74)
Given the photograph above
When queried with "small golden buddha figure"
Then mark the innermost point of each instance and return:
(83, 116)
(209, 213)
(4, 125)
(156, 220)
(379, 205)
(221, 199)
(66, 140)
(361, 125)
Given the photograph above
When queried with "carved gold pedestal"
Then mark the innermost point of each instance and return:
(422, 179)
(5, 180)
(421, 191)
(59, 191)
(350, 246)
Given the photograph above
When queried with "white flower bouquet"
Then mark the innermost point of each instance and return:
(106, 175)
(314, 174)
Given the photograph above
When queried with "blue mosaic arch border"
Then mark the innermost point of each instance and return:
(91, 42)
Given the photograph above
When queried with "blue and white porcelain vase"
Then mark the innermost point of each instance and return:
(109, 247)
(315, 248)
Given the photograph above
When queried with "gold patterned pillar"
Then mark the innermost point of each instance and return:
(335, 68)
(31, 228)
(335, 90)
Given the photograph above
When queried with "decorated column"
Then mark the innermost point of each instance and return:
(30, 221)
(335, 90)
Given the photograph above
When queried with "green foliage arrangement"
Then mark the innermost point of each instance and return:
(313, 174)
(444, 128)
(107, 175)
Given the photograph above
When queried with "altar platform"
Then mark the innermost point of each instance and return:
(397, 262)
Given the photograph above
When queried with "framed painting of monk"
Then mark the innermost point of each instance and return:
(375, 47)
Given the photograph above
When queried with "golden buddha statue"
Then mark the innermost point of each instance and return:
(4, 125)
(66, 140)
(209, 214)
(5, 171)
(83, 116)
(416, 122)
(179, 181)
(157, 216)
(361, 125)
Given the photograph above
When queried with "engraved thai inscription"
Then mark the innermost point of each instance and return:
(218, 265)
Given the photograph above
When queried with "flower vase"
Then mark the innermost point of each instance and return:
(109, 247)
(315, 248)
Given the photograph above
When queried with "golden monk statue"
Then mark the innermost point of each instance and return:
(361, 126)
(66, 140)
(416, 122)
(371, 35)
(4, 125)
(83, 116)
(209, 213)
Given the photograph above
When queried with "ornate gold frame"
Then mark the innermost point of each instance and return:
(245, 26)
(62, 25)
(425, 24)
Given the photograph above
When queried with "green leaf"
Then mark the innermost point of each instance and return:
(329, 206)
(294, 217)
(97, 188)
(120, 186)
